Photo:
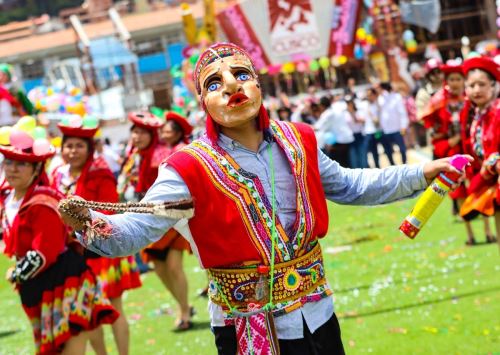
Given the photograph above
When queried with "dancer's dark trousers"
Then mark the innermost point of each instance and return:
(324, 341)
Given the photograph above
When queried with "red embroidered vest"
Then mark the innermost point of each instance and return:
(232, 220)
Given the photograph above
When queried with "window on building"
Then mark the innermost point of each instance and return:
(149, 47)
(32, 69)
(174, 37)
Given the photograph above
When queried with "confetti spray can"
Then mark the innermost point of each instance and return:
(431, 198)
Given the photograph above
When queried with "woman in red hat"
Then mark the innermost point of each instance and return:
(90, 178)
(481, 138)
(443, 120)
(59, 292)
(144, 156)
(166, 254)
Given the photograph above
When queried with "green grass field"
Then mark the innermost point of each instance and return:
(432, 295)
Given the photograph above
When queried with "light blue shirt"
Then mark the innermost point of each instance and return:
(132, 232)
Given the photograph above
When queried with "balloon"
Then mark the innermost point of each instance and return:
(263, 71)
(288, 68)
(50, 91)
(20, 139)
(314, 65)
(408, 35)
(41, 146)
(56, 142)
(274, 69)
(473, 54)
(370, 39)
(411, 43)
(411, 49)
(329, 138)
(324, 62)
(5, 135)
(75, 121)
(301, 67)
(65, 121)
(39, 132)
(158, 112)
(361, 34)
(26, 123)
(90, 122)
(342, 59)
(411, 46)
(79, 109)
(358, 52)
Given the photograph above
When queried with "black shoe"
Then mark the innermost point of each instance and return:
(183, 326)
(491, 239)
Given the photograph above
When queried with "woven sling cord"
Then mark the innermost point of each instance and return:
(99, 228)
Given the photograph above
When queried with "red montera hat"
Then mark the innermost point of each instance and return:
(10, 152)
(483, 63)
(432, 64)
(447, 69)
(80, 132)
(181, 120)
(145, 120)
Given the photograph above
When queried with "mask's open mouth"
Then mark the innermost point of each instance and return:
(237, 99)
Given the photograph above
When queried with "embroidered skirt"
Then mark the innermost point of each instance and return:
(64, 300)
(116, 275)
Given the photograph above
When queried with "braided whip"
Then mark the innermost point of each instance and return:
(100, 229)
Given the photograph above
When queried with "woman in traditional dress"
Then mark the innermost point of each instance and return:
(88, 177)
(166, 254)
(481, 138)
(443, 121)
(144, 155)
(59, 292)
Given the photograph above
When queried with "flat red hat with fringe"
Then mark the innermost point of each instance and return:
(10, 152)
(483, 63)
(145, 120)
(80, 132)
(181, 120)
(447, 69)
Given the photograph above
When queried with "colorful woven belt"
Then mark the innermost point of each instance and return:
(293, 279)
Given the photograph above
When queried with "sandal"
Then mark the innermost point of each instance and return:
(183, 326)
(471, 242)
(491, 239)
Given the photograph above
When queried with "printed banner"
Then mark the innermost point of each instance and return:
(344, 22)
(237, 29)
(293, 27)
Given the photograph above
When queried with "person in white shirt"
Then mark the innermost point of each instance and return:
(356, 122)
(332, 131)
(110, 156)
(393, 120)
(372, 124)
